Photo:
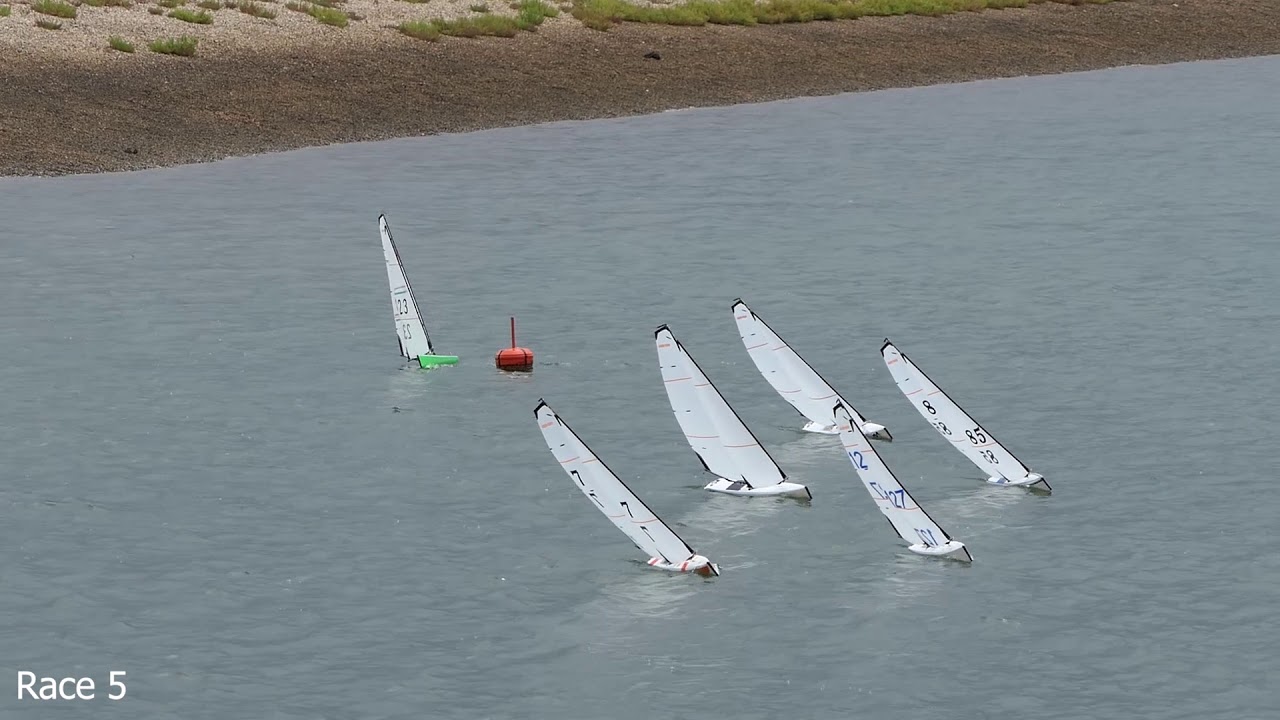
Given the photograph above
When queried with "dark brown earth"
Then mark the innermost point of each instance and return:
(76, 116)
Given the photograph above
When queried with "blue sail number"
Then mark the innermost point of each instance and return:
(926, 537)
(858, 462)
(897, 498)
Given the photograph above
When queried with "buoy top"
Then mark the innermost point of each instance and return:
(514, 358)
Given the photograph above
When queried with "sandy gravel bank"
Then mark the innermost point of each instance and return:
(69, 104)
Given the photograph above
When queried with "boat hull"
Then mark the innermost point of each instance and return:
(426, 362)
(698, 565)
(819, 428)
(951, 549)
(782, 489)
(1034, 481)
(873, 431)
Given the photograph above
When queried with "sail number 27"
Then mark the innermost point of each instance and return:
(896, 498)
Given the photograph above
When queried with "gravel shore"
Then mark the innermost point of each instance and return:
(68, 104)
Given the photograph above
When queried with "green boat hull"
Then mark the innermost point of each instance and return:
(429, 361)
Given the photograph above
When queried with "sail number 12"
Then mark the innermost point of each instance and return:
(926, 537)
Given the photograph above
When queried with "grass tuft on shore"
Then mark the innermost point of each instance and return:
(326, 15)
(603, 14)
(184, 46)
(210, 4)
(107, 3)
(171, 3)
(252, 8)
(329, 16)
(115, 42)
(420, 29)
(48, 24)
(192, 16)
(529, 15)
(55, 8)
(5, 10)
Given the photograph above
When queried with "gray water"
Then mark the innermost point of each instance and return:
(203, 482)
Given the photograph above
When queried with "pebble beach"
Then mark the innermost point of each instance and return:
(70, 103)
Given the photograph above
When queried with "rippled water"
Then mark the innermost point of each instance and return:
(203, 481)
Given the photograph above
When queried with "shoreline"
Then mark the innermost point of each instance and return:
(97, 110)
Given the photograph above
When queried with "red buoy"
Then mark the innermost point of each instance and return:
(516, 359)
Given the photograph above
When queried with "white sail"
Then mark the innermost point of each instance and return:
(414, 340)
(955, 425)
(793, 377)
(612, 496)
(695, 422)
(906, 516)
(708, 419)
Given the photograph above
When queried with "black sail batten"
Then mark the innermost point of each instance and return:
(412, 298)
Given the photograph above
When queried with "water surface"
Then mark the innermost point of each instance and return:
(204, 480)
